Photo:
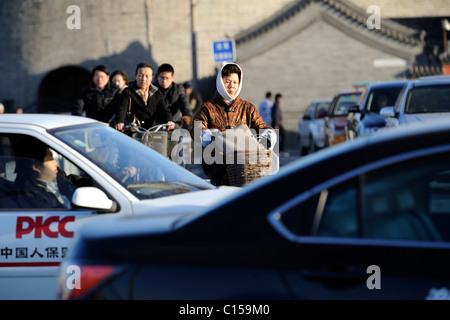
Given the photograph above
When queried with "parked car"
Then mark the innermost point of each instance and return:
(311, 128)
(375, 226)
(336, 121)
(106, 171)
(364, 118)
(422, 100)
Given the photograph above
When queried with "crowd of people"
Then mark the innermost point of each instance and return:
(152, 99)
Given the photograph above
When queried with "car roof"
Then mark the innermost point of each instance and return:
(321, 100)
(47, 121)
(431, 80)
(345, 92)
(392, 83)
(434, 78)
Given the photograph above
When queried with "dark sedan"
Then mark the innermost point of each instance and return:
(366, 219)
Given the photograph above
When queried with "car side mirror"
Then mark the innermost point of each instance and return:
(92, 198)
(387, 111)
(354, 108)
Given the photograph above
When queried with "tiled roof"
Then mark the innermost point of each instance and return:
(348, 17)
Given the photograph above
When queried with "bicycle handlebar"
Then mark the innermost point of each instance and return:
(143, 130)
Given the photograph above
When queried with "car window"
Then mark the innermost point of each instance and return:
(344, 103)
(406, 201)
(380, 98)
(322, 109)
(428, 99)
(308, 112)
(26, 182)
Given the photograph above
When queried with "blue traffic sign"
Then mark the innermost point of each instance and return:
(223, 51)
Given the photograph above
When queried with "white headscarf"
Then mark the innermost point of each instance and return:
(221, 87)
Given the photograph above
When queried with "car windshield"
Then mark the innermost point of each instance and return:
(379, 98)
(144, 172)
(322, 109)
(344, 103)
(428, 99)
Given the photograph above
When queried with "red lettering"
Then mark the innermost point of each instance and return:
(20, 229)
(46, 227)
(62, 226)
(26, 225)
(38, 227)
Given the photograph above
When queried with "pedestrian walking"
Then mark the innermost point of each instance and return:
(277, 123)
(265, 108)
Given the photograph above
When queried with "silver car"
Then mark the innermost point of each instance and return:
(311, 127)
(423, 99)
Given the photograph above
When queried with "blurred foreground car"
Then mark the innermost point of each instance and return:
(422, 100)
(365, 118)
(376, 226)
(336, 121)
(34, 238)
(311, 127)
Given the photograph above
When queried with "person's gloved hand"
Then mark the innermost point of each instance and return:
(185, 120)
(270, 136)
(208, 136)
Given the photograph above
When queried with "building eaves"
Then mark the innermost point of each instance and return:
(391, 37)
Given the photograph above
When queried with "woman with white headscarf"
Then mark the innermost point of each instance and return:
(226, 110)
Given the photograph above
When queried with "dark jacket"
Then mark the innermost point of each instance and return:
(34, 194)
(195, 97)
(176, 100)
(155, 112)
(276, 115)
(99, 105)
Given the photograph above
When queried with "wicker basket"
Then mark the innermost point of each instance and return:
(158, 141)
(246, 166)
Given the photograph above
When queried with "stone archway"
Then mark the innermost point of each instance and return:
(60, 87)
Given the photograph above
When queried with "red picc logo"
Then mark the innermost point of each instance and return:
(26, 225)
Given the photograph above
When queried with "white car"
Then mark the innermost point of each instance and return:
(311, 127)
(108, 172)
(421, 100)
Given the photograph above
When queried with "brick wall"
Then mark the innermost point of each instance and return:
(316, 63)
(35, 39)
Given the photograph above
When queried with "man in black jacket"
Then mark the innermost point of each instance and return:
(97, 98)
(39, 178)
(174, 94)
(144, 100)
